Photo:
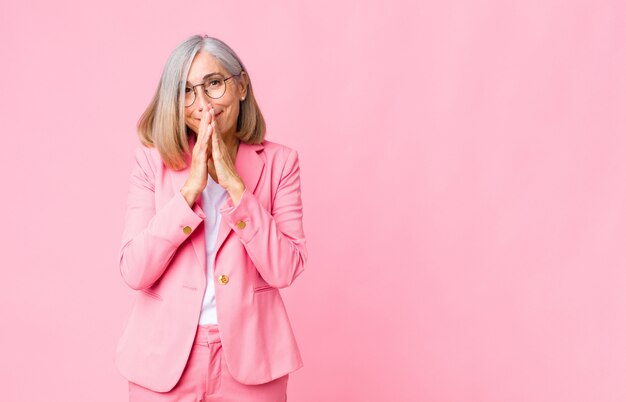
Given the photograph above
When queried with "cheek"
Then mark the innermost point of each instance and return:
(231, 119)
(234, 112)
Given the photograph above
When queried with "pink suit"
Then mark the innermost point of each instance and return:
(260, 248)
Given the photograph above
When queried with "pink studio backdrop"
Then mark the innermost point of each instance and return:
(463, 176)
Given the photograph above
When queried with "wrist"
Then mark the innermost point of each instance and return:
(235, 191)
(190, 194)
(237, 187)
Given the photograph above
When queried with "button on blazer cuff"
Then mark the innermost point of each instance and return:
(150, 239)
(274, 241)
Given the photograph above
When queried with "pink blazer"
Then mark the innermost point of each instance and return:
(260, 248)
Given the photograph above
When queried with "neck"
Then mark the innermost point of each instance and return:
(231, 142)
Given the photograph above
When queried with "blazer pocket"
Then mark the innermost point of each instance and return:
(152, 294)
(264, 288)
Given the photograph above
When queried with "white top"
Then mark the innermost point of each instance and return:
(213, 198)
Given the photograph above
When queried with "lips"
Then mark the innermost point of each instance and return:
(216, 116)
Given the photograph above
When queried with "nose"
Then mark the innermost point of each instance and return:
(203, 99)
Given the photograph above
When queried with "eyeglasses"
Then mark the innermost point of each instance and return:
(214, 87)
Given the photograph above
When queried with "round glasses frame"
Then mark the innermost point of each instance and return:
(206, 91)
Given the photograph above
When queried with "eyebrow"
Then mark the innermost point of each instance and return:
(206, 76)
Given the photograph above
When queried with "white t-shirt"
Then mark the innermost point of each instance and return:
(213, 198)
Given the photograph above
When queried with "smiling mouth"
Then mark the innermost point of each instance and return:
(216, 116)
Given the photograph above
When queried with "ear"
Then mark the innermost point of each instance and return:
(243, 84)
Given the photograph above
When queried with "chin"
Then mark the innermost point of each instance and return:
(192, 128)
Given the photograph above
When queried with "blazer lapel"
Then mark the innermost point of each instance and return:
(249, 166)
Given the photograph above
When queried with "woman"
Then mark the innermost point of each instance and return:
(213, 229)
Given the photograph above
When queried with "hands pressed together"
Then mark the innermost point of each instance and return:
(210, 155)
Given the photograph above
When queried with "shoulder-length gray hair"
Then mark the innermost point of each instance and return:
(162, 124)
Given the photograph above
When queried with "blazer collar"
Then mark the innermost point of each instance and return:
(249, 166)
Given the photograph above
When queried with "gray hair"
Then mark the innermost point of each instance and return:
(163, 123)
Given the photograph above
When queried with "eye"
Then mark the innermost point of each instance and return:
(187, 90)
(215, 82)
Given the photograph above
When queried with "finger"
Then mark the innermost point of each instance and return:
(211, 114)
(202, 126)
(209, 143)
(200, 148)
(217, 152)
(214, 119)
(209, 133)
(218, 134)
(209, 119)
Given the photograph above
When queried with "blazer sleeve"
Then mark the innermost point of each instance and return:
(150, 238)
(274, 240)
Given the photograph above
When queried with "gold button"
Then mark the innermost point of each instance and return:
(223, 279)
(241, 224)
(186, 230)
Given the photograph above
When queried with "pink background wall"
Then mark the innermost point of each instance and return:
(463, 174)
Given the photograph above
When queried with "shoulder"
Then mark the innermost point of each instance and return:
(279, 153)
(274, 147)
(148, 158)
(281, 160)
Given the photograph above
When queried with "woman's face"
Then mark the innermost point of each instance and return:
(226, 107)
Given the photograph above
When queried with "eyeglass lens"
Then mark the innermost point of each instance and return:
(214, 87)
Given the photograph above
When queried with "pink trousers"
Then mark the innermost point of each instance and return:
(206, 378)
